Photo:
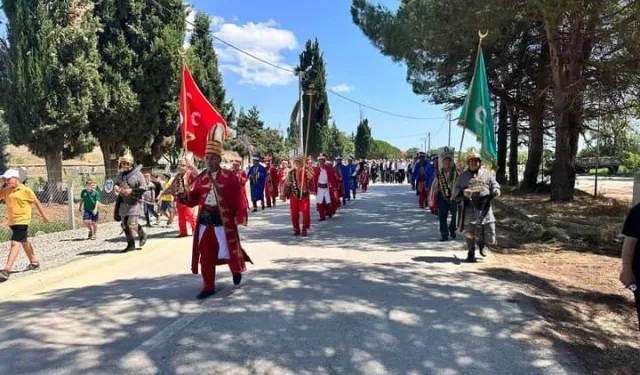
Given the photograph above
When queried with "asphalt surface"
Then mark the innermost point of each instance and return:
(371, 291)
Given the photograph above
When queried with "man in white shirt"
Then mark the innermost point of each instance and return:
(402, 167)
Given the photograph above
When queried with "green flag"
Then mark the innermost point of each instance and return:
(477, 116)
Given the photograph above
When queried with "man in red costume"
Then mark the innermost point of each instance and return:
(283, 171)
(218, 194)
(325, 181)
(271, 185)
(298, 185)
(242, 178)
(183, 180)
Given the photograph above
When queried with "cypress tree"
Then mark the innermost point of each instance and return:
(52, 77)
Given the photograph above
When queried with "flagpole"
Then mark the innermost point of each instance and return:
(466, 110)
(306, 145)
(184, 108)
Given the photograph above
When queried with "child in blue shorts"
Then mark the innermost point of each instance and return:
(89, 202)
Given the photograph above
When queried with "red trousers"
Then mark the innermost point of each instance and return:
(209, 260)
(422, 198)
(270, 201)
(185, 214)
(335, 200)
(297, 206)
(325, 209)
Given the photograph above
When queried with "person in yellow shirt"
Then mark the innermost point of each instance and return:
(19, 198)
(166, 200)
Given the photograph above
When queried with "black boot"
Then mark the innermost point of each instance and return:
(444, 238)
(237, 278)
(452, 234)
(142, 236)
(471, 254)
(205, 293)
(482, 248)
(131, 244)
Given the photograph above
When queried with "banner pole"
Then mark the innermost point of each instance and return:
(463, 120)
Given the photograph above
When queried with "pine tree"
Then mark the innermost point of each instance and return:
(363, 140)
(319, 114)
(52, 77)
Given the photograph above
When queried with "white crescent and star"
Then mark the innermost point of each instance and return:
(481, 115)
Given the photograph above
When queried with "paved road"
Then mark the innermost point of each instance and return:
(370, 292)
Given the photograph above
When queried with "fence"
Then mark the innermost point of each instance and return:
(63, 213)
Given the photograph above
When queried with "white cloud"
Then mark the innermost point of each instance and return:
(265, 40)
(216, 22)
(191, 17)
(343, 88)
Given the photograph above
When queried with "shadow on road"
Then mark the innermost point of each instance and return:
(385, 218)
(322, 317)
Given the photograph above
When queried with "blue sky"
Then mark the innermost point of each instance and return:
(276, 30)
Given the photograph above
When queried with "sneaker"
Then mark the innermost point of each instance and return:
(33, 267)
(90, 235)
(4, 276)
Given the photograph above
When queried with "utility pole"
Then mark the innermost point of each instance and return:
(595, 186)
(429, 138)
(423, 144)
(449, 141)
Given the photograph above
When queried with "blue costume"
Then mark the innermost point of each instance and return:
(429, 169)
(345, 171)
(257, 176)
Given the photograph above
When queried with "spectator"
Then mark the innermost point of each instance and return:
(166, 200)
(89, 202)
(149, 200)
(631, 254)
(19, 199)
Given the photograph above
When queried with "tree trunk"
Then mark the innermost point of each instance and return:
(53, 188)
(513, 147)
(110, 164)
(536, 124)
(536, 148)
(503, 118)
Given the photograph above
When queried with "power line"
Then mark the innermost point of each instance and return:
(381, 110)
(286, 69)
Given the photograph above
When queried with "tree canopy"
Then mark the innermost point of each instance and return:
(552, 63)
(363, 141)
(315, 82)
(51, 77)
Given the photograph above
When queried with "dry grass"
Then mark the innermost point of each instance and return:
(583, 304)
(20, 155)
(574, 284)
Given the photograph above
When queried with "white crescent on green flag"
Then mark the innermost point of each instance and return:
(477, 116)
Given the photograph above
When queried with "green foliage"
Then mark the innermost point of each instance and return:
(136, 107)
(51, 77)
(253, 138)
(4, 141)
(631, 161)
(383, 150)
(601, 172)
(522, 158)
(319, 114)
(364, 140)
(412, 152)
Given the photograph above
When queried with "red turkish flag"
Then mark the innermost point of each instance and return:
(200, 116)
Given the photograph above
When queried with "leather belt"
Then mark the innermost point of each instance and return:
(323, 186)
